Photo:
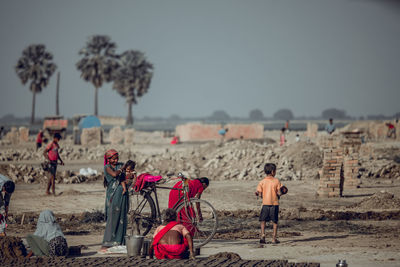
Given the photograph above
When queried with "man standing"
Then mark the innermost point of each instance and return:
(6, 189)
(330, 127)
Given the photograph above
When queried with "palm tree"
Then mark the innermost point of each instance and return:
(132, 78)
(35, 64)
(98, 63)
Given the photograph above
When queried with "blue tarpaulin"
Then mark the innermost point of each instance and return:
(89, 122)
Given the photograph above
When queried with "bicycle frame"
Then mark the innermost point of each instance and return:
(153, 189)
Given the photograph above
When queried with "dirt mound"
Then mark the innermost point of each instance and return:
(380, 200)
(226, 255)
(27, 174)
(11, 248)
(93, 217)
(301, 160)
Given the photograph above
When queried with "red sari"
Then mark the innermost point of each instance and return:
(165, 251)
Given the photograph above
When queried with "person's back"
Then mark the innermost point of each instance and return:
(269, 187)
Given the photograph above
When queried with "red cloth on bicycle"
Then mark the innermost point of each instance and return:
(195, 187)
(140, 182)
(165, 251)
(144, 178)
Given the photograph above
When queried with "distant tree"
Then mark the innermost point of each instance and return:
(333, 113)
(397, 115)
(283, 114)
(219, 115)
(98, 63)
(35, 64)
(256, 114)
(132, 78)
(175, 117)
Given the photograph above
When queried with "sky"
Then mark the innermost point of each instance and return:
(208, 55)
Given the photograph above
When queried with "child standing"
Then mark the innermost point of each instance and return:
(269, 189)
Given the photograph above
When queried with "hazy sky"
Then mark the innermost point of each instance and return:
(214, 55)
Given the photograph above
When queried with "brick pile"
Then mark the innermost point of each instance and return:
(331, 180)
(351, 145)
(340, 165)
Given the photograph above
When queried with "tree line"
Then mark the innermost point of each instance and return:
(130, 72)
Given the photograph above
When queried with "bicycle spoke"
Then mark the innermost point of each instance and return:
(203, 229)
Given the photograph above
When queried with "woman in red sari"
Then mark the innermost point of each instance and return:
(171, 240)
(196, 188)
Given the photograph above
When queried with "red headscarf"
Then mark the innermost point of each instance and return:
(109, 154)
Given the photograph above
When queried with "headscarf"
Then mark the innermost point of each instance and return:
(109, 154)
(3, 180)
(47, 228)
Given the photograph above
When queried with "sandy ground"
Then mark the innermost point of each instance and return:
(319, 241)
(305, 235)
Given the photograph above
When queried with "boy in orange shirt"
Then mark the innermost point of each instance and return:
(270, 190)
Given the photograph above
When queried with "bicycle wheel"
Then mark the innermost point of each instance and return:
(142, 213)
(202, 231)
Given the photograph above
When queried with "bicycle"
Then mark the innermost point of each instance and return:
(144, 212)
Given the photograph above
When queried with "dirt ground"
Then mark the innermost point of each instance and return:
(358, 227)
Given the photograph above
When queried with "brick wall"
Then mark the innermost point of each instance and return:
(312, 130)
(202, 132)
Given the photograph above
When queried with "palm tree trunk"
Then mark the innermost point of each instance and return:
(33, 107)
(58, 95)
(96, 94)
(129, 119)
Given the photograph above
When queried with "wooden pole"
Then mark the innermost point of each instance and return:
(58, 94)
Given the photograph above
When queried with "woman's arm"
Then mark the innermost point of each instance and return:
(190, 243)
(112, 172)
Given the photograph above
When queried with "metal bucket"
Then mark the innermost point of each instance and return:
(134, 244)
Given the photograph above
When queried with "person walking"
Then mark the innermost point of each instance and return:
(51, 153)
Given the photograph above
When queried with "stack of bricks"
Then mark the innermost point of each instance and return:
(331, 180)
(351, 144)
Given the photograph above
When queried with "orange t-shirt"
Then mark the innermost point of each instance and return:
(269, 188)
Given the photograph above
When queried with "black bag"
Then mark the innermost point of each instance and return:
(45, 166)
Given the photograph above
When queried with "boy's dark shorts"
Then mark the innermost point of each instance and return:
(269, 213)
(53, 167)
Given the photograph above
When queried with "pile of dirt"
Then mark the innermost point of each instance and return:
(93, 217)
(381, 200)
(11, 248)
(209, 159)
(380, 168)
(25, 173)
(225, 255)
(304, 159)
